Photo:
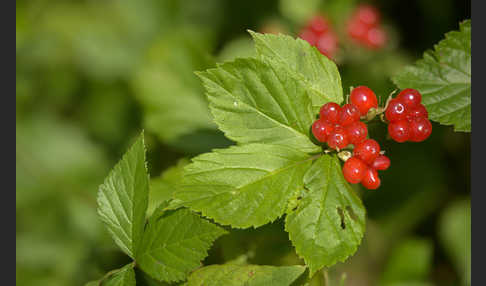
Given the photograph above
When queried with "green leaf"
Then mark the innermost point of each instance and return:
(317, 72)
(162, 188)
(249, 275)
(123, 277)
(244, 186)
(455, 237)
(254, 102)
(328, 224)
(123, 199)
(174, 243)
(443, 77)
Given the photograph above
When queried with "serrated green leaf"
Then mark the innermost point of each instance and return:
(317, 72)
(174, 243)
(244, 186)
(162, 188)
(123, 277)
(329, 222)
(249, 275)
(254, 102)
(123, 199)
(443, 77)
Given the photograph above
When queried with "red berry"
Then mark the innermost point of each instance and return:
(321, 130)
(356, 29)
(354, 170)
(381, 162)
(330, 112)
(399, 131)
(318, 24)
(338, 139)
(396, 110)
(327, 44)
(375, 38)
(349, 114)
(370, 179)
(367, 151)
(364, 98)
(410, 97)
(309, 36)
(420, 129)
(418, 112)
(368, 15)
(357, 132)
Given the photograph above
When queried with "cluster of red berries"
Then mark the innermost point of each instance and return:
(364, 27)
(363, 165)
(408, 117)
(319, 33)
(340, 126)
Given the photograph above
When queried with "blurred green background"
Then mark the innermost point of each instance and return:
(91, 74)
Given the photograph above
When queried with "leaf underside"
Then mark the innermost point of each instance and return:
(443, 77)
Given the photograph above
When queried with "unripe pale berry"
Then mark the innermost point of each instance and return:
(364, 98)
(399, 130)
(354, 169)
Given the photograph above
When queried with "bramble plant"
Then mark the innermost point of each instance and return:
(272, 106)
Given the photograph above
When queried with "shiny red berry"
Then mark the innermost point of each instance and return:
(420, 129)
(399, 130)
(321, 130)
(327, 44)
(309, 36)
(396, 110)
(375, 38)
(381, 163)
(318, 24)
(418, 112)
(367, 151)
(354, 169)
(330, 112)
(368, 15)
(338, 139)
(364, 98)
(410, 97)
(370, 179)
(349, 114)
(357, 132)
